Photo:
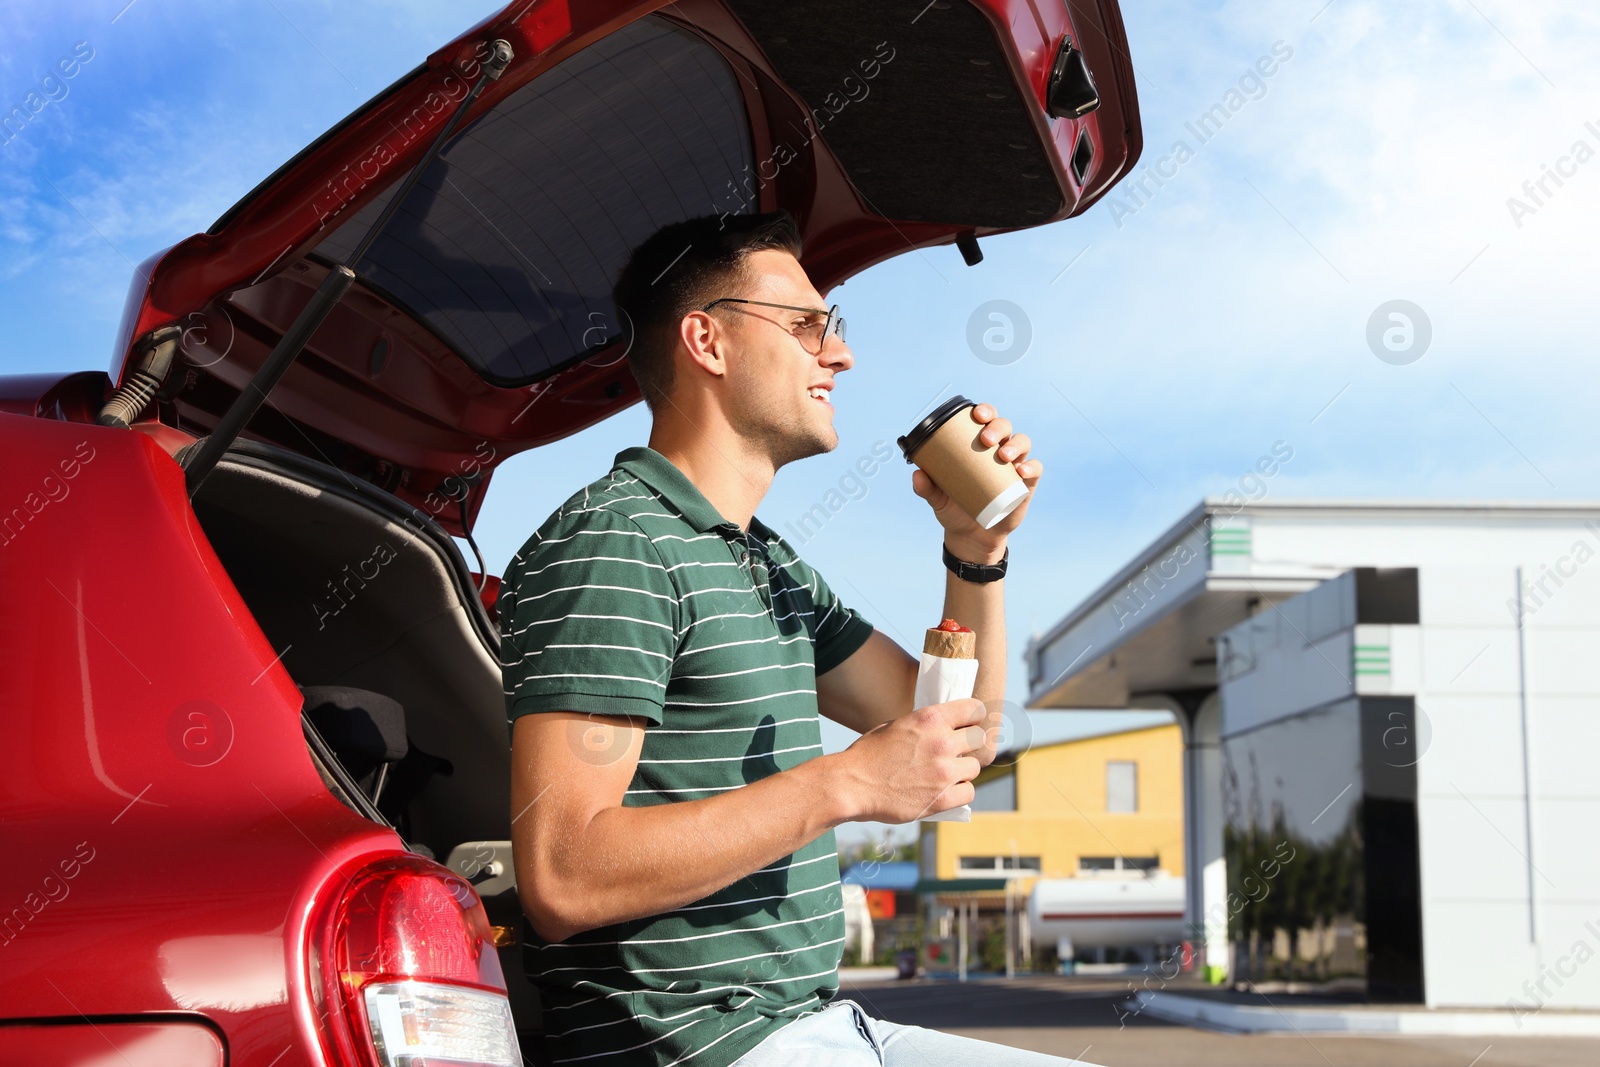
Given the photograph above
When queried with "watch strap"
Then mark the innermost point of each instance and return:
(976, 572)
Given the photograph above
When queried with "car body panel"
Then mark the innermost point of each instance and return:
(104, 1042)
(69, 396)
(168, 834)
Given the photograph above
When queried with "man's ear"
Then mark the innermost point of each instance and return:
(705, 339)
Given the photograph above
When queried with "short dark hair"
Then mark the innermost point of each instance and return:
(682, 267)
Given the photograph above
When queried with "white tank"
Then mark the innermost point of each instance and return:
(1112, 912)
(857, 920)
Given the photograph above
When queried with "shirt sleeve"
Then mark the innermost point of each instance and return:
(589, 621)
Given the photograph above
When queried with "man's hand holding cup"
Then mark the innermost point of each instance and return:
(975, 472)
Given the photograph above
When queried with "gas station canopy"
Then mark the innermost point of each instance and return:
(1151, 629)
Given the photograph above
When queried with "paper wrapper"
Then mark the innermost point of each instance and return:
(938, 680)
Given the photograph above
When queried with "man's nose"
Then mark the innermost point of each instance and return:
(836, 355)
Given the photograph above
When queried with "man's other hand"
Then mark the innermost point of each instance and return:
(919, 764)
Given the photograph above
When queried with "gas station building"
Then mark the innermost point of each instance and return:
(1391, 718)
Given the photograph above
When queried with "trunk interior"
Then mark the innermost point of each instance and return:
(358, 590)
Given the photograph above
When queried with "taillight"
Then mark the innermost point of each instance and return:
(408, 973)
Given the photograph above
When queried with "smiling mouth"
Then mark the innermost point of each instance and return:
(816, 392)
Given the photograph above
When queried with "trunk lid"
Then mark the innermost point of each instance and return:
(481, 322)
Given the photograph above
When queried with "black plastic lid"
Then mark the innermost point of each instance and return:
(936, 418)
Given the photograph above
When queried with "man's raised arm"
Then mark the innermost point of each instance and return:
(874, 686)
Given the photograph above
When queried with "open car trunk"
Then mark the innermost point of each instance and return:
(360, 592)
(355, 590)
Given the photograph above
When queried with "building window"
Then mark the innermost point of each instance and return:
(998, 866)
(1122, 786)
(997, 794)
(1096, 865)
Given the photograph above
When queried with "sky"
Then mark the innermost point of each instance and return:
(1231, 297)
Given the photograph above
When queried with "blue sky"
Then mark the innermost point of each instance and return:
(1177, 335)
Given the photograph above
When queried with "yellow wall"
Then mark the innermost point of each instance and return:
(1061, 807)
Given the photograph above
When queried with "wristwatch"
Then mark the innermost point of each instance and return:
(976, 572)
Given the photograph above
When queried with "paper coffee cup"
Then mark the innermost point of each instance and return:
(946, 446)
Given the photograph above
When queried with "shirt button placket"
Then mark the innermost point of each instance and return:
(758, 577)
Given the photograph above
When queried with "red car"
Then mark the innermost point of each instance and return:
(256, 804)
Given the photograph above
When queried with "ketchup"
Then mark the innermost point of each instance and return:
(950, 626)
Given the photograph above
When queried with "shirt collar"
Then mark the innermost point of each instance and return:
(674, 487)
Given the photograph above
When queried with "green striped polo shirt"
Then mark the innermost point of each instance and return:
(637, 598)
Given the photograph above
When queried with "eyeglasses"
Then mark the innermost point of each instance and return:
(812, 336)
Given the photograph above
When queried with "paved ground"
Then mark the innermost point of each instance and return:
(1077, 1017)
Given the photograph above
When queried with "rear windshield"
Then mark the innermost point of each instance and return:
(508, 245)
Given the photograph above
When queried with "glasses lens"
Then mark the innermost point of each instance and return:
(813, 335)
(832, 326)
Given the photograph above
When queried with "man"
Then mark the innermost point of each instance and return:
(666, 657)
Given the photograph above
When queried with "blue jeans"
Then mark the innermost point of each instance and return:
(843, 1035)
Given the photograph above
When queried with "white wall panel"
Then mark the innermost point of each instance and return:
(1563, 660)
(1474, 953)
(1473, 848)
(1398, 540)
(1568, 933)
(1566, 751)
(1564, 589)
(1474, 742)
(1564, 850)
(1469, 659)
(1465, 596)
